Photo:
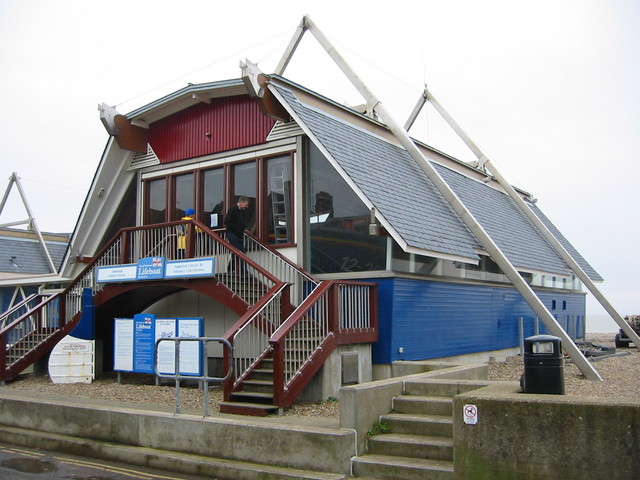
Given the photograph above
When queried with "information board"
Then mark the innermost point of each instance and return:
(135, 340)
(156, 268)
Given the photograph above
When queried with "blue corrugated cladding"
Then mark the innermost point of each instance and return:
(434, 319)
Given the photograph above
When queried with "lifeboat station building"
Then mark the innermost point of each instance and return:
(351, 259)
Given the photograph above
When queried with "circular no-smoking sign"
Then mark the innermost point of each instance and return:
(470, 414)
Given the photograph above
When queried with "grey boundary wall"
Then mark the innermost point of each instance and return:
(290, 446)
(543, 437)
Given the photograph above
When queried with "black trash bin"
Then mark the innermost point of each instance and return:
(543, 365)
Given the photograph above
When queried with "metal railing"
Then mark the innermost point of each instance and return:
(301, 283)
(39, 314)
(335, 313)
(56, 313)
(20, 308)
(354, 306)
(205, 379)
(250, 338)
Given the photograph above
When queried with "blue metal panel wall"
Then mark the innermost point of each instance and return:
(429, 319)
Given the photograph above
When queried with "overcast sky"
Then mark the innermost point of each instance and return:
(547, 88)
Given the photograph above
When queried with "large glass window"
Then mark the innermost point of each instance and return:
(278, 200)
(266, 182)
(157, 201)
(339, 223)
(213, 197)
(185, 195)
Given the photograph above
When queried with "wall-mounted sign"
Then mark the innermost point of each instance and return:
(135, 340)
(196, 267)
(150, 268)
(118, 273)
(470, 414)
(156, 268)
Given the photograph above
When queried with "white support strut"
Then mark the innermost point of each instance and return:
(30, 222)
(486, 163)
(465, 215)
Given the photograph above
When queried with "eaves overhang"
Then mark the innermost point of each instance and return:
(27, 279)
(184, 98)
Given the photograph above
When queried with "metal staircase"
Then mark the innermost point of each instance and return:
(289, 323)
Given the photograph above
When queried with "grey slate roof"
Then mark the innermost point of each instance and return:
(403, 194)
(29, 256)
(506, 224)
(392, 181)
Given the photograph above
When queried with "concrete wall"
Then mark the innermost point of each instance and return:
(313, 448)
(327, 382)
(530, 436)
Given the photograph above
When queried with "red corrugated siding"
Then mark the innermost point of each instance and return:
(233, 122)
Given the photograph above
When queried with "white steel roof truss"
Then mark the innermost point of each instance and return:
(465, 215)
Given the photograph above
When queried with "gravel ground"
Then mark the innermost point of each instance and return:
(620, 374)
(141, 389)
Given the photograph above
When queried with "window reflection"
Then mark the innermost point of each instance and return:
(244, 185)
(339, 223)
(213, 197)
(157, 195)
(279, 199)
(185, 194)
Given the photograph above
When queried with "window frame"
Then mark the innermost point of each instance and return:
(261, 229)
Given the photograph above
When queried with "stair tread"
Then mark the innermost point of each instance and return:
(261, 406)
(418, 418)
(258, 382)
(425, 398)
(422, 463)
(412, 438)
(253, 394)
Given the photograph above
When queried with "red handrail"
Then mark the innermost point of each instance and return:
(125, 235)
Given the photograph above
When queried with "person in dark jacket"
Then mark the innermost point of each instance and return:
(236, 224)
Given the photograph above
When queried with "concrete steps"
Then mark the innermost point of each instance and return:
(415, 446)
(432, 425)
(420, 439)
(387, 467)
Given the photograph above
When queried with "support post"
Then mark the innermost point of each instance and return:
(485, 162)
(31, 221)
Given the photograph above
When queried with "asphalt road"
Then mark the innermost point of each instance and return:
(20, 463)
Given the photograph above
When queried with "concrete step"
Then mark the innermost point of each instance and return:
(178, 462)
(414, 446)
(424, 405)
(385, 467)
(432, 425)
(441, 388)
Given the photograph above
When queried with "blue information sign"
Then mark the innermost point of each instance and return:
(150, 268)
(144, 334)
